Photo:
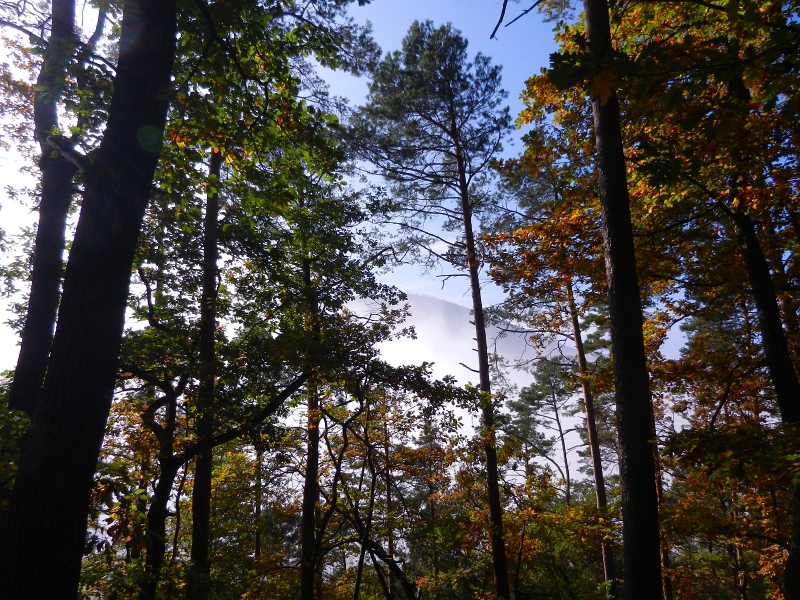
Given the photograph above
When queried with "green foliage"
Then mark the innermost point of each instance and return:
(431, 114)
(13, 425)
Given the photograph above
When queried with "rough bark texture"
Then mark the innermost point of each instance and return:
(199, 573)
(642, 548)
(499, 560)
(45, 528)
(609, 567)
(54, 202)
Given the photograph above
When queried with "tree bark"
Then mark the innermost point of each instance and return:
(786, 301)
(776, 350)
(259, 500)
(499, 559)
(308, 526)
(609, 568)
(59, 454)
(780, 366)
(168, 466)
(199, 573)
(56, 197)
(156, 539)
(640, 531)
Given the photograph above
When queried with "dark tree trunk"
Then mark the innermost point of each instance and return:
(308, 526)
(788, 306)
(364, 531)
(640, 532)
(665, 559)
(169, 464)
(157, 514)
(779, 362)
(776, 350)
(199, 572)
(59, 455)
(388, 516)
(394, 568)
(609, 568)
(259, 500)
(156, 539)
(56, 197)
(499, 560)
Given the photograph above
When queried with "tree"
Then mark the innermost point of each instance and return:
(548, 258)
(432, 126)
(693, 148)
(544, 404)
(70, 78)
(595, 62)
(642, 545)
(52, 487)
(56, 196)
(51, 483)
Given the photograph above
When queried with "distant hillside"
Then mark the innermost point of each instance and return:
(445, 336)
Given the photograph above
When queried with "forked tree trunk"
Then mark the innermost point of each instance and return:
(609, 568)
(56, 197)
(156, 537)
(50, 501)
(157, 514)
(199, 572)
(640, 532)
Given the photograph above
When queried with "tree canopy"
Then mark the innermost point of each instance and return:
(200, 408)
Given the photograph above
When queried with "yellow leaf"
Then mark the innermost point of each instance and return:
(602, 86)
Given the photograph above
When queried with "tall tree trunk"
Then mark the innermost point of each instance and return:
(156, 538)
(259, 500)
(157, 514)
(779, 362)
(388, 516)
(310, 536)
(308, 526)
(199, 573)
(776, 350)
(499, 560)
(665, 560)
(364, 532)
(609, 568)
(564, 454)
(54, 202)
(59, 453)
(640, 532)
(788, 306)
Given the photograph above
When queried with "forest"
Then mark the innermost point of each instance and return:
(200, 408)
